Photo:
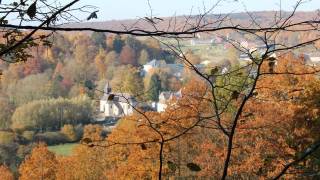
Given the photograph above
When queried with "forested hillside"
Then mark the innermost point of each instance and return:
(208, 96)
(46, 99)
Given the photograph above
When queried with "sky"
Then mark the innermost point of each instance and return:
(131, 9)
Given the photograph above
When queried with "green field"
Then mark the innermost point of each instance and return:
(63, 149)
(205, 52)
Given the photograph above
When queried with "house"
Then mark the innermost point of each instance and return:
(153, 64)
(311, 59)
(259, 50)
(315, 60)
(244, 58)
(177, 69)
(114, 104)
(194, 42)
(164, 98)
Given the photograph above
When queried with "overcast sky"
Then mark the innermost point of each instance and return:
(130, 9)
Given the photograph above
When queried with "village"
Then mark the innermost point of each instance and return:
(149, 89)
(114, 105)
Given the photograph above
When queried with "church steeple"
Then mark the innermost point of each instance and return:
(107, 88)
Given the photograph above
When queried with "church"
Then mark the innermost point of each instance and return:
(116, 104)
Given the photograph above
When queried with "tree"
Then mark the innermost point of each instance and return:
(40, 164)
(127, 79)
(8, 154)
(93, 132)
(118, 44)
(133, 43)
(144, 57)
(99, 39)
(11, 75)
(32, 87)
(60, 49)
(153, 47)
(6, 137)
(33, 67)
(100, 64)
(233, 56)
(174, 84)
(78, 71)
(111, 61)
(69, 131)
(85, 163)
(6, 174)
(225, 95)
(146, 142)
(6, 112)
(193, 58)
(84, 49)
(154, 88)
(52, 113)
(57, 71)
(128, 56)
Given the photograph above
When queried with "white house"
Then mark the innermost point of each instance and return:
(153, 64)
(164, 98)
(177, 69)
(194, 42)
(313, 60)
(116, 104)
(259, 50)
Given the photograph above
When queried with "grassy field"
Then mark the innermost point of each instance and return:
(63, 149)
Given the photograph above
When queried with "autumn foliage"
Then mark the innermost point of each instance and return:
(5, 173)
(40, 164)
(276, 125)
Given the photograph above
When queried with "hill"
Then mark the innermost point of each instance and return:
(262, 17)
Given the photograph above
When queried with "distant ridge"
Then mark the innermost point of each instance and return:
(263, 17)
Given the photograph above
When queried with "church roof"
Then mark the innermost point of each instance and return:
(116, 96)
(156, 63)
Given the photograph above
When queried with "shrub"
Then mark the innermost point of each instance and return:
(93, 132)
(69, 131)
(79, 131)
(6, 137)
(8, 153)
(28, 135)
(23, 151)
(5, 173)
(51, 138)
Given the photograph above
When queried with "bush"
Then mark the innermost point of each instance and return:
(79, 131)
(28, 135)
(23, 151)
(6, 137)
(93, 132)
(8, 153)
(5, 112)
(6, 174)
(51, 138)
(69, 131)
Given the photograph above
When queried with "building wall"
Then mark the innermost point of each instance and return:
(102, 106)
(147, 68)
(161, 107)
(111, 109)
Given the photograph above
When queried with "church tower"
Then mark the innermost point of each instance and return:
(107, 88)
